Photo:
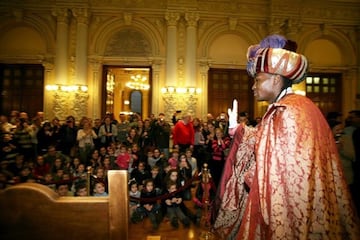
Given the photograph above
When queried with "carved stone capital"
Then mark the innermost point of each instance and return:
(48, 66)
(62, 14)
(95, 61)
(81, 14)
(172, 18)
(192, 19)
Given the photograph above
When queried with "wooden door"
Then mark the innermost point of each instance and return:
(224, 86)
(22, 88)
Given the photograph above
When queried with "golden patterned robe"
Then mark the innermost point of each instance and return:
(232, 195)
(297, 190)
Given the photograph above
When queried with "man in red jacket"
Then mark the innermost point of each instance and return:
(183, 134)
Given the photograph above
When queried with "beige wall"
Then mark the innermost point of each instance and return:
(135, 34)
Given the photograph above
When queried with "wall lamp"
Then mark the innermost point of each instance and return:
(67, 88)
(181, 90)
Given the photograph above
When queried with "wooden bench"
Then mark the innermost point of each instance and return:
(34, 211)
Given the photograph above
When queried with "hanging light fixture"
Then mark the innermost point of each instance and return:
(138, 82)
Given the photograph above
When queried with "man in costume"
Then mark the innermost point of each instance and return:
(283, 179)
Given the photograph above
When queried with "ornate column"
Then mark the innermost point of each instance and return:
(156, 102)
(81, 15)
(171, 48)
(48, 72)
(190, 60)
(203, 98)
(95, 87)
(61, 64)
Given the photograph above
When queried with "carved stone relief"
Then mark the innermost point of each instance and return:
(128, 42)
(185, 102)
(70, 103)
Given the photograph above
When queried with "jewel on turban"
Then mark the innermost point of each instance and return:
(277, 55)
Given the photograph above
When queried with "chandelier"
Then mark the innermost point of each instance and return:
(138, 82)
(110, 83)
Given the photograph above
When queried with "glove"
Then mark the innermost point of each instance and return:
(233, 115)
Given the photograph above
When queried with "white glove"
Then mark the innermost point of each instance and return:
(233, 115)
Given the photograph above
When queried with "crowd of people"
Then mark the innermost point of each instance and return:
(59, 154)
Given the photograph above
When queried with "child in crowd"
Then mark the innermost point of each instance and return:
(140, 174)
(148, 205)
(74, 165)
(81, 189)
(173, 160)
(135, 155)
(58, 175)
(192, 161)
(58, 164)
(62, 189)
(80, 172)
(133, 193)
(49, 181)
(155, 175)
(99, 190)
(123, 159)
(107, 165)
(99, 176)
(173, 208)
(185, 176)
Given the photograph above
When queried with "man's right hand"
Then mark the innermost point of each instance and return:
(233, 114)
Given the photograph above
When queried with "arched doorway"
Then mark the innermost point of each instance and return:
(127, 90)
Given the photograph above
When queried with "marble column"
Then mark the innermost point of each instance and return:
(81, 15)
(171, 48)
(62, 33)
(190, 60)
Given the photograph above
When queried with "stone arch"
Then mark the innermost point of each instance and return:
(245, 34)
(39, 37)
(115, 28)
(333, 43)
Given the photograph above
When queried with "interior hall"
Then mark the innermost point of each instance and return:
(150, 60)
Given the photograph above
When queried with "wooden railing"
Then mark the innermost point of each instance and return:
(34, 211)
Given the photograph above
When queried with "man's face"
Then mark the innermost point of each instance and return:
(263, 87)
